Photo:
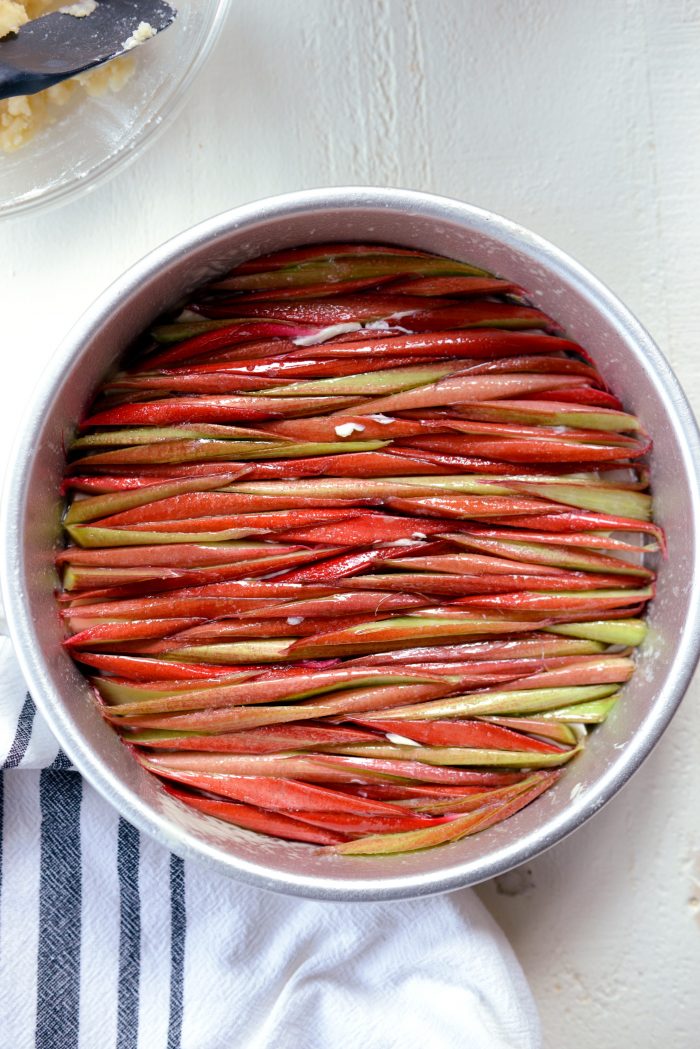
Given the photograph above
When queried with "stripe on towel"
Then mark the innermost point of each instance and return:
(58, 961)
(23, 734)
(62, 762)
(178, 927)
(129, 935)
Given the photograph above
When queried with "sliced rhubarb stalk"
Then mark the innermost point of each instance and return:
(458, 389)
(250, 588)
(340, 604)
(143, 669)
(461, 286)
(635, 505)
(204, 450)
(457, 806)
(472, 564)
(419, 314)
(189, 379)
(304, 766)
(261, 820)
(275, 520)
(351, 824)
(363, 531)
(342, 566)
(280, 767)
(219, 504)
(452, 831)
(482, 462)
(400, 628)
(476, 344)
(202, 530)
(88, 536)
(335, 268)
(257, 741)
(541, 576)
(525, 701)
(192, 381)
(99, 506)
(537, 363)
(573, 521)
(292, 688)
(113, 583)
(505, 484)
(413, 771)
(317, 252)
(353, 694)
(479, 669)
(196, 555)
(537, 727)
(167, 607)
(128, 631)
(348, 464)
(195, 338)
(337, 315)
(143, 475)
(555, 556)
(235, 719)
(346, 772)
(456, 733)
(542, 601)
(477, 313)
(368, 427)
(596, 670)
(593, 713)
(413, 794)
(553, 414)
(299, 628)
(515, 449)
(456, 756)
(282, 366)
(306, 291)
(283, 794)
(392, 380)
(459, 586)
(629, 632)
(470, 433)
(270, 651)
(584, 396)
(469, 506)
(371, 487)
(116, 691)
(214, 409)
(128, 579)
(157, 434)
(570, 539)
(535, 646)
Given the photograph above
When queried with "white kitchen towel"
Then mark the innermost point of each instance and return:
(108, 941)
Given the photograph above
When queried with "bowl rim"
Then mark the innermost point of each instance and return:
(150, 130)
(21, 628)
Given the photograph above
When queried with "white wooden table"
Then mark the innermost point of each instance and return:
(578, 119)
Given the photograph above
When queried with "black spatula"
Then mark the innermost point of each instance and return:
(58, 46)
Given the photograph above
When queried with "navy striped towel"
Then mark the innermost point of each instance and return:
(107, 941)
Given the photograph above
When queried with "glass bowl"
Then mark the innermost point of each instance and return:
(92, 137)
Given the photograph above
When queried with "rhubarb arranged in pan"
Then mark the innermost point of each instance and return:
(356, 549)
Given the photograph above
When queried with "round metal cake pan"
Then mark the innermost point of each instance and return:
(630, 362)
